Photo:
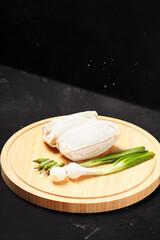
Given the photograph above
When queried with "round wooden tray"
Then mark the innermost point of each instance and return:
(86, 194)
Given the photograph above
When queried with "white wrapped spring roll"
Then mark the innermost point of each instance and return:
(88, 140)
(54, 129)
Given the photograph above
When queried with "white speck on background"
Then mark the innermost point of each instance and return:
(80, 226)
(136, 63)
(93, 232)
(111, 61)
(45, 80)
(3, 80)
(68, 88)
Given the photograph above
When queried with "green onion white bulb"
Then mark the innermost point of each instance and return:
(58, 174)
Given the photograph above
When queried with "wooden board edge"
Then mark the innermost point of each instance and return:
(81, 208)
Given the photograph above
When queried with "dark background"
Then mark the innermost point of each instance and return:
(109, 46)
(59, 57)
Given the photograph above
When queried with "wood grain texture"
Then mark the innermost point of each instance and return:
(88, 194)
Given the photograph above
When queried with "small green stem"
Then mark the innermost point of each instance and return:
(56, 165)
(48, 165)
(42, 164)
(40, 160)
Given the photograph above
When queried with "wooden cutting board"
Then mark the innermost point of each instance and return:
(86, 194)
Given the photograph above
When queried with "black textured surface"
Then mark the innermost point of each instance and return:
(26, 98)
(109, 46)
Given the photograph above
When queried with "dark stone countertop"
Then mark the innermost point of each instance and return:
(26, 98)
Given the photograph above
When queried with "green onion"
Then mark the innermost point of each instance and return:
(56, 165)
(112, 157)
(40, 160)
(128, 162)
(46, 164)
(75, 170)
(42, 164)
(119, 161)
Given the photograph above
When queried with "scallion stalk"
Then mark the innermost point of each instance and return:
(46, 164)
(128, 162)
(112, 157)
(75, 170)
